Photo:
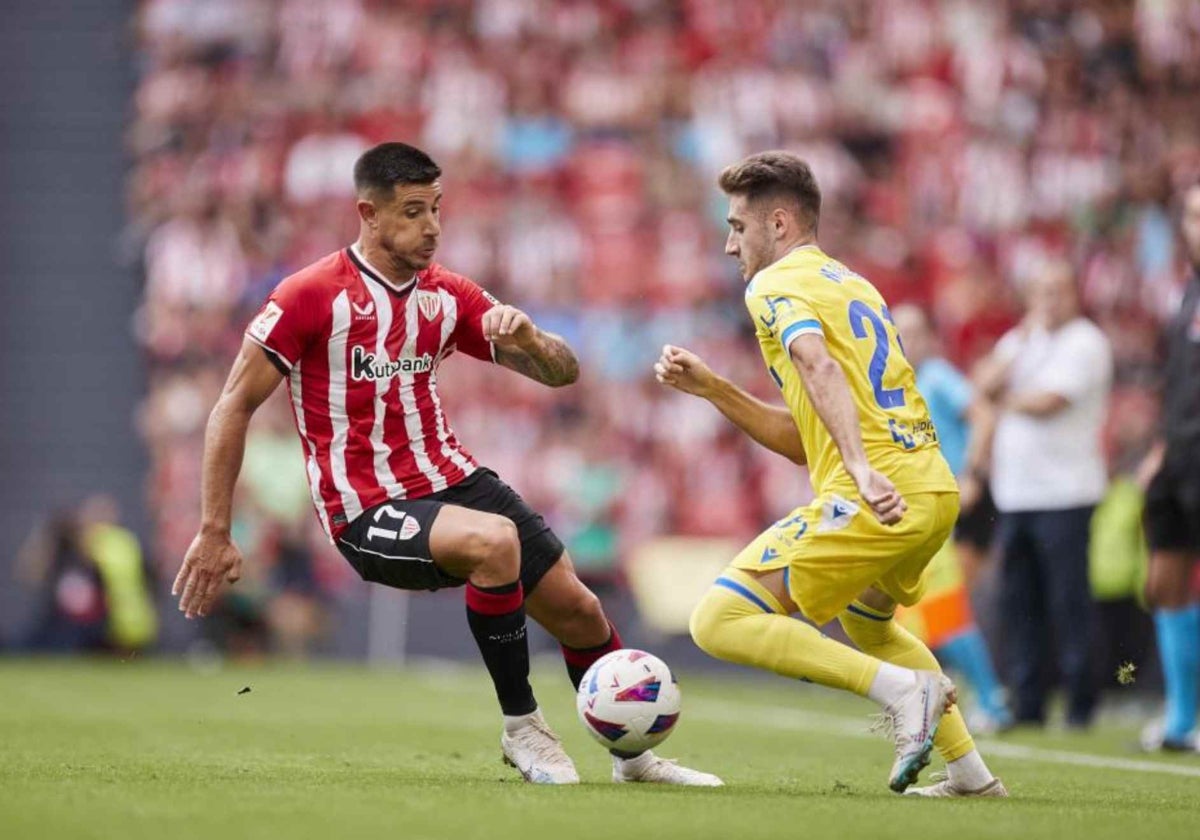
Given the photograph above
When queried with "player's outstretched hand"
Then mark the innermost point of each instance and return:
(684, 370)
(210, 559)
(507, 326)
(881, 495)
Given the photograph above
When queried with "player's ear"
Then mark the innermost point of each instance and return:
(367, 212)
(779, 222)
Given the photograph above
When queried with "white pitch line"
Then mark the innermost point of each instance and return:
(782, 717)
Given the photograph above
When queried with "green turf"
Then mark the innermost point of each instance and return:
(145, 749)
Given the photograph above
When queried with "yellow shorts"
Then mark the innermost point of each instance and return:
(834, 548)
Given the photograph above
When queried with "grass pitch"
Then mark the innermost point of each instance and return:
(146, 749)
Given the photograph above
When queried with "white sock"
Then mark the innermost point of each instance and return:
(891, 683)
(969, 772)
(514, 722)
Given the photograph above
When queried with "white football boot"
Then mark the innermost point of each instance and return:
(537, 753)
(943, 788)
(648, 767)
(913, 721)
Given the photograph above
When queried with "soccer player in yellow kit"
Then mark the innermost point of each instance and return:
(885, 498)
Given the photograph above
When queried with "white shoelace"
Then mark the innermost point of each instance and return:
(544, 744)
(883, 724)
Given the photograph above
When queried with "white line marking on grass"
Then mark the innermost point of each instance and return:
(1007, 750)
(781, 717)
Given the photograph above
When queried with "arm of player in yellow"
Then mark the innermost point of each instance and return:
(829, 392)
(212, 556)
(769, 425)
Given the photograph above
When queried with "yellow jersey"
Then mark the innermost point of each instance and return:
(809, 292)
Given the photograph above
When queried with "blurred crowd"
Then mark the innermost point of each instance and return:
(961, 147)
(92, 588)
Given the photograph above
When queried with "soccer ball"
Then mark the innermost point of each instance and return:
(629, 701)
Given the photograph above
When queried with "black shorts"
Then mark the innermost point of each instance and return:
(389, 543)
(1172, 514)
(977, 526)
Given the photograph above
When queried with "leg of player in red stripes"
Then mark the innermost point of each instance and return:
(484, 549)
(579, 659)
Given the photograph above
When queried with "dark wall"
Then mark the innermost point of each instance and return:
(70, 376)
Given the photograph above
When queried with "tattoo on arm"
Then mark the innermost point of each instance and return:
(553, 363)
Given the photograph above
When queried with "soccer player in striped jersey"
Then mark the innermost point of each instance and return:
(358, 336)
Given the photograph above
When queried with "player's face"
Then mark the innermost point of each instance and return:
(408, 227)
(749, 239)
(1191, 224)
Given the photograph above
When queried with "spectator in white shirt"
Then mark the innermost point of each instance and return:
(1048, 380)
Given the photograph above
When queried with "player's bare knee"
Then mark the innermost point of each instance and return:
(494, 548)
(579, 619)
(590, 616)
(585, 609)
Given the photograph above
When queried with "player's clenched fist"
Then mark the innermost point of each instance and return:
(508, 326)
(880, 495)
(210, 560)
(684, 370)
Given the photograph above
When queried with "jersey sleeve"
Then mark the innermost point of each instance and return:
(473, 302)
(286, 324)
(784, 314)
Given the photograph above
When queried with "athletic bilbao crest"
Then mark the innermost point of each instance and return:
(430, 304)
(409, 528)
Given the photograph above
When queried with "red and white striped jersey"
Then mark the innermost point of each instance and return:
(361, 357)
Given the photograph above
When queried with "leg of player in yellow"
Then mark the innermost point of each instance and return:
(745, 618)
(870, 624)
(740, 620)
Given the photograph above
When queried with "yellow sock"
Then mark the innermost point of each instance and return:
(878, 634)
(740, 621)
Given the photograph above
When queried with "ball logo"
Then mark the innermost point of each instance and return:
(644, 692)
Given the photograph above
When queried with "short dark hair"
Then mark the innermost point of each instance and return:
(775, 175)
(388, 164)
